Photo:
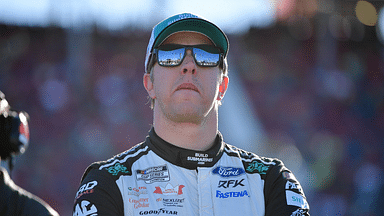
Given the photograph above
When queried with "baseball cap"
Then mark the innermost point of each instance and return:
(186, 22)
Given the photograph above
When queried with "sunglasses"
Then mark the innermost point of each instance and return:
(172, 55)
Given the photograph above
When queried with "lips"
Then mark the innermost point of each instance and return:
(187, 86)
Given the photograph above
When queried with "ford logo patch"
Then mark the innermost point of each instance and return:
(228, 171)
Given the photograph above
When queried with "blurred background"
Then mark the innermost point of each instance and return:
(306, 86)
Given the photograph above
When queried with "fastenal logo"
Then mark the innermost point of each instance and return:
(169, 190)
(226, 195)
(153, 174)
(228, 171)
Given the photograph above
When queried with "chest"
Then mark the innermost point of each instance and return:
(167, 189)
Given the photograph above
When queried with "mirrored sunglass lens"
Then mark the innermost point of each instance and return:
(206, 59)
(170, 57)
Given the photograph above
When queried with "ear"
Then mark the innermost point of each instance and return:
(223, 87)
(148, 85)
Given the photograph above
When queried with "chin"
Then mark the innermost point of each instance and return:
(187, 112)
(186, 117)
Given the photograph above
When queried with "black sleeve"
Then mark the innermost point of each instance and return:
(35, 206)
(98, 194)
(283, 193)
(17, 201)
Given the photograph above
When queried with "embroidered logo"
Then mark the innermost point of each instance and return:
(153, 174)
(85, 208)
(200, 158)
(169, 190)
(114, 170)
(228, 171)
(257, 167)
(87, 188)
(137, 191)
(226, 195)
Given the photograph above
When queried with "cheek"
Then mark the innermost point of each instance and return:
(162, 82)
(212, 85)
(160, 87)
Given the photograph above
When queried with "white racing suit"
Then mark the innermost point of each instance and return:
(158, 178)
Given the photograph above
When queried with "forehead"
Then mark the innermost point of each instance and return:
(188, 38)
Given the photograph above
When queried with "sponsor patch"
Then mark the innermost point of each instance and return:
(200, 158)
(86, 188)
(299, 212)
(171, 202)
(157, 212)
(257, 167)
(228, 171)
(85, 208)
(137, 191)
(230, 183)
(114, 170)
(226, 195)
(289, 176)
(153, 174)
(292, 186)
(295, 199)
(169, 190)
(139, 203)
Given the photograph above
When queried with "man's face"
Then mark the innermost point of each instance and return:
(186, 93)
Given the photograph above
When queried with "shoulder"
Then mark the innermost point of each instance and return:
(100, 188)
(118, 165)
(253, 163)
(282, 191)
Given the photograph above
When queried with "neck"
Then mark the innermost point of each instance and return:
(187, 135)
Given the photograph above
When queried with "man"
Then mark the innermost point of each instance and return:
(17, 201)
(184, 167)
(14, 138)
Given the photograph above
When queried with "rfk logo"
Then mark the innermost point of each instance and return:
(229, 183)
(169, 190)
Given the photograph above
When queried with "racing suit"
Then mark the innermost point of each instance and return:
(158, 178)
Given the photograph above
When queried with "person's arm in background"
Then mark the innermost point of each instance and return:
(17, 201)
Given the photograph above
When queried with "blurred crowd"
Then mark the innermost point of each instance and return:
(330, 106)
(84, 94)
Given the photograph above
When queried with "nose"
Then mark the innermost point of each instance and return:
(189, 64)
